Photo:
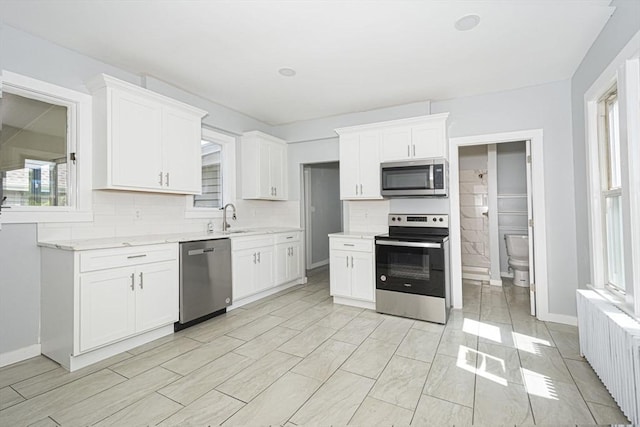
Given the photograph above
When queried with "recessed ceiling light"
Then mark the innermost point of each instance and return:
(287, 72)
(467, 22)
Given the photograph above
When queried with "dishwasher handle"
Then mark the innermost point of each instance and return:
(199, 251)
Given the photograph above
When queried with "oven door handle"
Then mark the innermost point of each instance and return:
(409, 244)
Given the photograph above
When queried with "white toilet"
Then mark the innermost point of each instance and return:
(518, 253)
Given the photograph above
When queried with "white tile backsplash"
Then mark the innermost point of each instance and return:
(369, 216)
(125, 213)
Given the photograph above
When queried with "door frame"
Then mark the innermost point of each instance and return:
(538, 196)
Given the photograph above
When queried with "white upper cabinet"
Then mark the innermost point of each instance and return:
(359, 165)
(264, 166)
(364, 147)
(144, 141)
(415, 138)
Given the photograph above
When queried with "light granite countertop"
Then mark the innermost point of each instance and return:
(356, 234)
(153, 239)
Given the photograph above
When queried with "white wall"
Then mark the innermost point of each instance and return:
(623, 24)
(473, 157)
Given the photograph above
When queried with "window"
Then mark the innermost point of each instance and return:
(613, 154)
(45, 151)
(212, 188)
(33, 152)
(218, 176)
(611, 192)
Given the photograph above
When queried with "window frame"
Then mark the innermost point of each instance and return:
(79, 124)
(623, 73)
(228, 163)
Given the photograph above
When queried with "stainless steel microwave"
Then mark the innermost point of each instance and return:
(414, 178)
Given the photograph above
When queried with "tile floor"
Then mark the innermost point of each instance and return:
(297, 359)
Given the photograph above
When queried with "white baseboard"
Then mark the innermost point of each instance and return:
(473, 276)
(319, 264)
(19, 355)
(255, 297)
(560, 318)
(494, 282)
(354, 303)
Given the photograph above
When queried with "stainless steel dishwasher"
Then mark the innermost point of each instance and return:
(205, 280)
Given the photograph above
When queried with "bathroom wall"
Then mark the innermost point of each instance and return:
(474, 224)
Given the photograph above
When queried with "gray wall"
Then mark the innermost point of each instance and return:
(623, 24)
(473, 157)
(19, 287)
(326, 213)
(547, 107)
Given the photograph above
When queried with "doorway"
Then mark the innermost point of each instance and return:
(322, 210)
(536, 206)
(495, 215)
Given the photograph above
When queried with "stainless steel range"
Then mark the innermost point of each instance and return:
(412, 267)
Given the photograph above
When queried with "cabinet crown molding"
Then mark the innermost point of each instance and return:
(102, 80)
(410, 121)
(259, 134)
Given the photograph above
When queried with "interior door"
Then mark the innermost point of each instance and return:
(532, 276)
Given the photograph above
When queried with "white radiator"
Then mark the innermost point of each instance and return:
(610, 341)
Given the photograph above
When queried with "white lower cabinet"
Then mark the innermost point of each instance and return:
(94, 301)
(352, 266)
(261, 263)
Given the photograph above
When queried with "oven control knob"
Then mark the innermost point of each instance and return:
(441, 220)
(383, 278)
(399, 218)
(435, 219)
(393, 218)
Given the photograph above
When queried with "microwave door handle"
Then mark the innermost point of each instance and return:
(431, 180)
(409, 244)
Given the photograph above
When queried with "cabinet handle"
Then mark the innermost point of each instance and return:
(133, 279)
(414, 150)
(167, 178)
(347, 257)
(289, 237)
(275, 191)
(160, 178)
(361, 189)
(351, 262)
(348, 244)
(141, 280)
(137, 256)
(408, 151)
(254, 257)
(258, 256)
(356, 189)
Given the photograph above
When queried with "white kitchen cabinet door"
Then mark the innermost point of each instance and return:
(429, 140)
(136, 156)
(362, 272)
(340, 273)
(181, 151)
(264, 278)
(349, 164)
(369, 166)
(107, 306)
(396, 144)
(295, 261)
(277, 168)
(282, 263)
(157, 296)
(244, 273)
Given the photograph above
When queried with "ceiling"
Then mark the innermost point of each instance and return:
(349, 55)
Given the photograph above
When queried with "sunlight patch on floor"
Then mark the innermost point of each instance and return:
(529, 344)
(539, 385)
(465, 356)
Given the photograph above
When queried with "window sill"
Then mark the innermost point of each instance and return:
(616, 300)
(24, 217)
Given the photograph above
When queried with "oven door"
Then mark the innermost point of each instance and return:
(410, 267)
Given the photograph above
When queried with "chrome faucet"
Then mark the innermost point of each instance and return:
(225, 224)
